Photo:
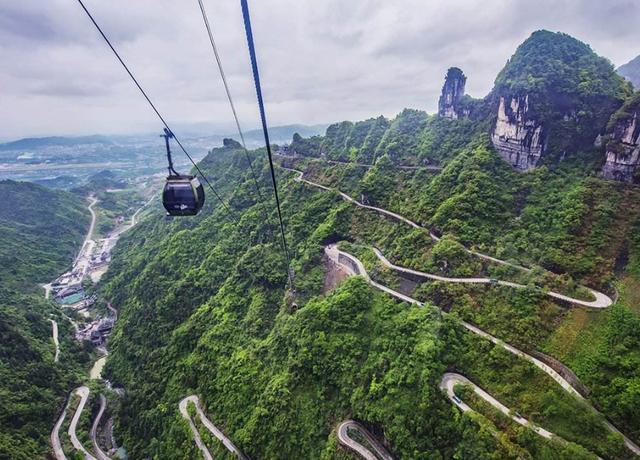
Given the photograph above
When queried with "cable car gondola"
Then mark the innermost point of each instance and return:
(183, 195)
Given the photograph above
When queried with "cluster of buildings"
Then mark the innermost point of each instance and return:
(67, 289)
(96, 331)
(102, 258)
(66, 293)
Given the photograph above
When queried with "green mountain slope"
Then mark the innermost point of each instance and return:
(40, 230)
(204, 306)
(210, 295)
(207, 314)
(40, 233)
(571, 91)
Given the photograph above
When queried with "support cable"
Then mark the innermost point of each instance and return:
(166, 125)
(265, 130)
(205, 18)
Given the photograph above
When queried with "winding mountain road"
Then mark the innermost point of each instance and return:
(94, 430)
(92, 226)
(54, 334)
(83, 392)
(58, 453)
(355, 267)
(601, 300)
(450, 380)
(346, 440)
(363, 165)
(214, 430)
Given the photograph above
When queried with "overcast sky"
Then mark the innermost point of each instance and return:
(320, 60)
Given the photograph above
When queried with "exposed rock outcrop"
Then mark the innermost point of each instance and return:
(551, 100)
(623, 147)
(449, 104)
(231, 143)
(517, 137)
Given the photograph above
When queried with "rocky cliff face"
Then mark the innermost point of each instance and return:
(449, 104)
(517, 137)
(623, 147)
(551, 100)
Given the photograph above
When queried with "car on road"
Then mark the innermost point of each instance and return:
(457, 400)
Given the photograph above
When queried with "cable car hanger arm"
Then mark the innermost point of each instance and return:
(157, 112)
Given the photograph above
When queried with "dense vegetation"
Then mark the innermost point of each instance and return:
(40, 233)
(278, 378)
(275, 377)
(205, 307)
(571, 90)
(411, 138)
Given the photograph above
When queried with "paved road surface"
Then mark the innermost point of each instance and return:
(134, 217)
(450, 380)
(364, 452)
(83, 392)
(83, 259)
(214, 430)
(94, 430)
(364, 165)
(113, 310)
(54, 333)
(55, 435)
(601, 300)
(355, 266)
(93, 200)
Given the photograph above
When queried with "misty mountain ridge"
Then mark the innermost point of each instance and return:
(631, 71)
(254, 138)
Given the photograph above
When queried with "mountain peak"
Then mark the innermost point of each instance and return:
(452, 94)
(552, 98)
(552, 59)
(631, 71)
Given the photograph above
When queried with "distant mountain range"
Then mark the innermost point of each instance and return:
(631, 71)
(39, 142)
(254, 138)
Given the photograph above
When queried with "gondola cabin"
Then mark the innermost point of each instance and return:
(182, 195)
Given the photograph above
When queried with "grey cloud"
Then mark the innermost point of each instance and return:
(29, 25)
(320, 61)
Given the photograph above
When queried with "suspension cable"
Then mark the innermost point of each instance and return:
(265, 130)
(205, 18)
(166, 125)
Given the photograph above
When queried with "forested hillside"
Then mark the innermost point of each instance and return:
(205, 308)
(40, 233)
